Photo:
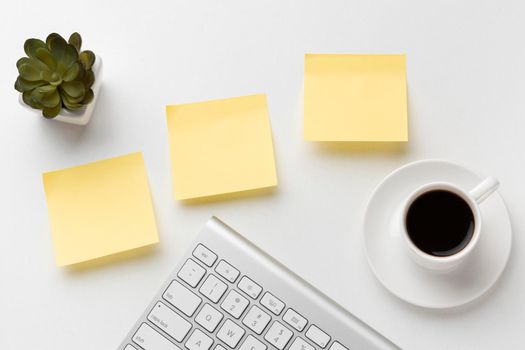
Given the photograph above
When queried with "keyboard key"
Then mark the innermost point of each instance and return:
(169, 321)
(205, 255)
(227, 271)
(316, 335)
(250, 287)
(198, 341)
(300, 344)
(191, 273)
(295, 320)
(230, 333)
(209, 318)
(235, 304)
(213, 288)
(278, 335)
(256, 319)
(130, 347)
(219, 347)
(251, 343)
(149, 339)
(182, 298)
(337, 346)
(273, 304)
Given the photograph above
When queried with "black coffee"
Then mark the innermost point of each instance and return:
(440, 223)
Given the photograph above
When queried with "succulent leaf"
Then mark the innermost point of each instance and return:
(73, 106)
(21, 61)
(61, 69)
(46, 95)
(45, 75)
(33, 62)
(72, 73)
(89, 78)
(46, 89)
(87, 58)
(26, 97)
(31, 45)
(57, 45)
(88, 97)
(23, 85)
(68, 99)
(70, 56)
(44, 56)
(18, 86)
(76, 40)
(51, 100)
(81, 71)
(51, 112)
(29, 72)
(71, 103)
(74, 88)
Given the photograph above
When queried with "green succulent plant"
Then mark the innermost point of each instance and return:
(56, 74)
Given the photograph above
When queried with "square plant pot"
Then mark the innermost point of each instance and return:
(83, 115)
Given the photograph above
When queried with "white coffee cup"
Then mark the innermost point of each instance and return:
(473, 198)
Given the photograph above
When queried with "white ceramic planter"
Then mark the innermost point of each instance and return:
(82, 116)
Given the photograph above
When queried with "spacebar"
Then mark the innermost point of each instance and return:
(149, 339)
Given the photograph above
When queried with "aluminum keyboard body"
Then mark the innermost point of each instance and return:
(314, 320)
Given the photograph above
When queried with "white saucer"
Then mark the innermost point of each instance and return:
(390, 262)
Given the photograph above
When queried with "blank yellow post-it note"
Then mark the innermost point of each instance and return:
(220, 146)
(355, 97)
(100, 208)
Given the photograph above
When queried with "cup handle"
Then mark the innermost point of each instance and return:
(484, 189)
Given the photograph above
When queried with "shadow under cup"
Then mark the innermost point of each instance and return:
(440, 223)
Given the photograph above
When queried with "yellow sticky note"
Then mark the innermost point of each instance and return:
(98, 209)
(220, 146)
(355, 97)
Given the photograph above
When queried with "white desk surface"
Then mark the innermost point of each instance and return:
(466, 87)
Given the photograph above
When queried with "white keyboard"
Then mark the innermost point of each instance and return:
(228, 294)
